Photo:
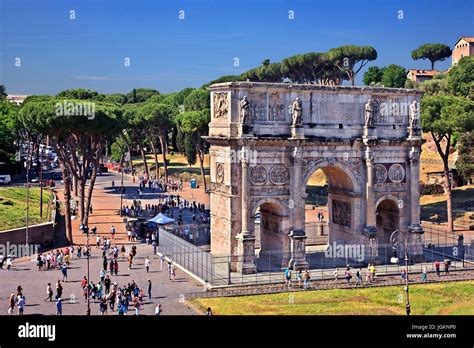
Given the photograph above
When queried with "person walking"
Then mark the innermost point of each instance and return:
(169, 269)
(11, 304)
(299, 278)
(287, 273)
(158, 309)
(64, 272)
(348, 275)
(424, 275)
(446, 267)
(306, 278)
(437, 266)
(173, 273)
(49, 292)
(59, 290)
(336, 274)
(136, 305)
(107, 283)
(372, 272)
(208, 311)
(21, 304)
(112, 232)
(79, 252)
(359, 277)
(147, 264)
(149, 289)
(162, 260)
(9, 263)
(116, 269)
(403, 273)
(102, 275)
(59, 306)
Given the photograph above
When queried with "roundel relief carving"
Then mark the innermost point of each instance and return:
(258, 175)
(220, 172)
(279, 175)
(380, 173)
(396, 173)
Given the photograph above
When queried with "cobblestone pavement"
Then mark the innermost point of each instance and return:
(105, 205)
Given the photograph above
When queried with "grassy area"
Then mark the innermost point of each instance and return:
(178, 167)
(13, 207)
(426, 299)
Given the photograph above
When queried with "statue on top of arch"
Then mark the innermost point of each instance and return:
(369, 113)
(297, 113)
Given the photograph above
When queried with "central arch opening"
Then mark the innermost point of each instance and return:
(328, 205)
(271, 226)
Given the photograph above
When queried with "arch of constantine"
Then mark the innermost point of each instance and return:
(267, 139)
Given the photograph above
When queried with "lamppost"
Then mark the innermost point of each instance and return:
(121, 191)
(395, 241)
(88, 276)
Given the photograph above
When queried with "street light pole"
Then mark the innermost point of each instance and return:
(121, 191)
(395, 243)
(88, 276)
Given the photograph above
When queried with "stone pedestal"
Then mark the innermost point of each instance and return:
(245, 130)
(297, 132)
(297, 250)
(246, 249)
(369, 133)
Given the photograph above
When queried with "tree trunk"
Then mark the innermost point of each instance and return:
(163, 155)
(449, 203)
(142, 152)
(89, 193)
(200, 154)
(447, 179)
(81, 209)
(67, 203)
(155, 157)
(74, 185)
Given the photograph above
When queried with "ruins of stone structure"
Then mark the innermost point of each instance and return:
(366, 140)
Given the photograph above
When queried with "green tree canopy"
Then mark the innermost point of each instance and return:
(373, 76)
(198, 99)
(347, 57)
(433, 52)
(140, 95)
(78, 93)
(394, 76)
(461, 78)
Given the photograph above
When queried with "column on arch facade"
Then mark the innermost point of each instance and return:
(246, 238)
(297, 234)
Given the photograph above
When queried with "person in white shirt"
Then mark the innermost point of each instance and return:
(147, 264)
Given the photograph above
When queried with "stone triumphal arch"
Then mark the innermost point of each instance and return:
(268, 138)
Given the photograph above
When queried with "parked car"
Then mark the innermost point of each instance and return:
(5, 179)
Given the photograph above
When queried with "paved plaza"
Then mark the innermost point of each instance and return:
(168, 293)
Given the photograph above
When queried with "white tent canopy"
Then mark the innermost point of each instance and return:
(161, 219)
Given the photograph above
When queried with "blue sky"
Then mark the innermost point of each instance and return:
(169, 54)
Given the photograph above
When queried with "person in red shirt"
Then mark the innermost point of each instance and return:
(437, 266)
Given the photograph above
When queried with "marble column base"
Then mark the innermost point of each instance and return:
(297, 250)
(297, 132)
(246, 258)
